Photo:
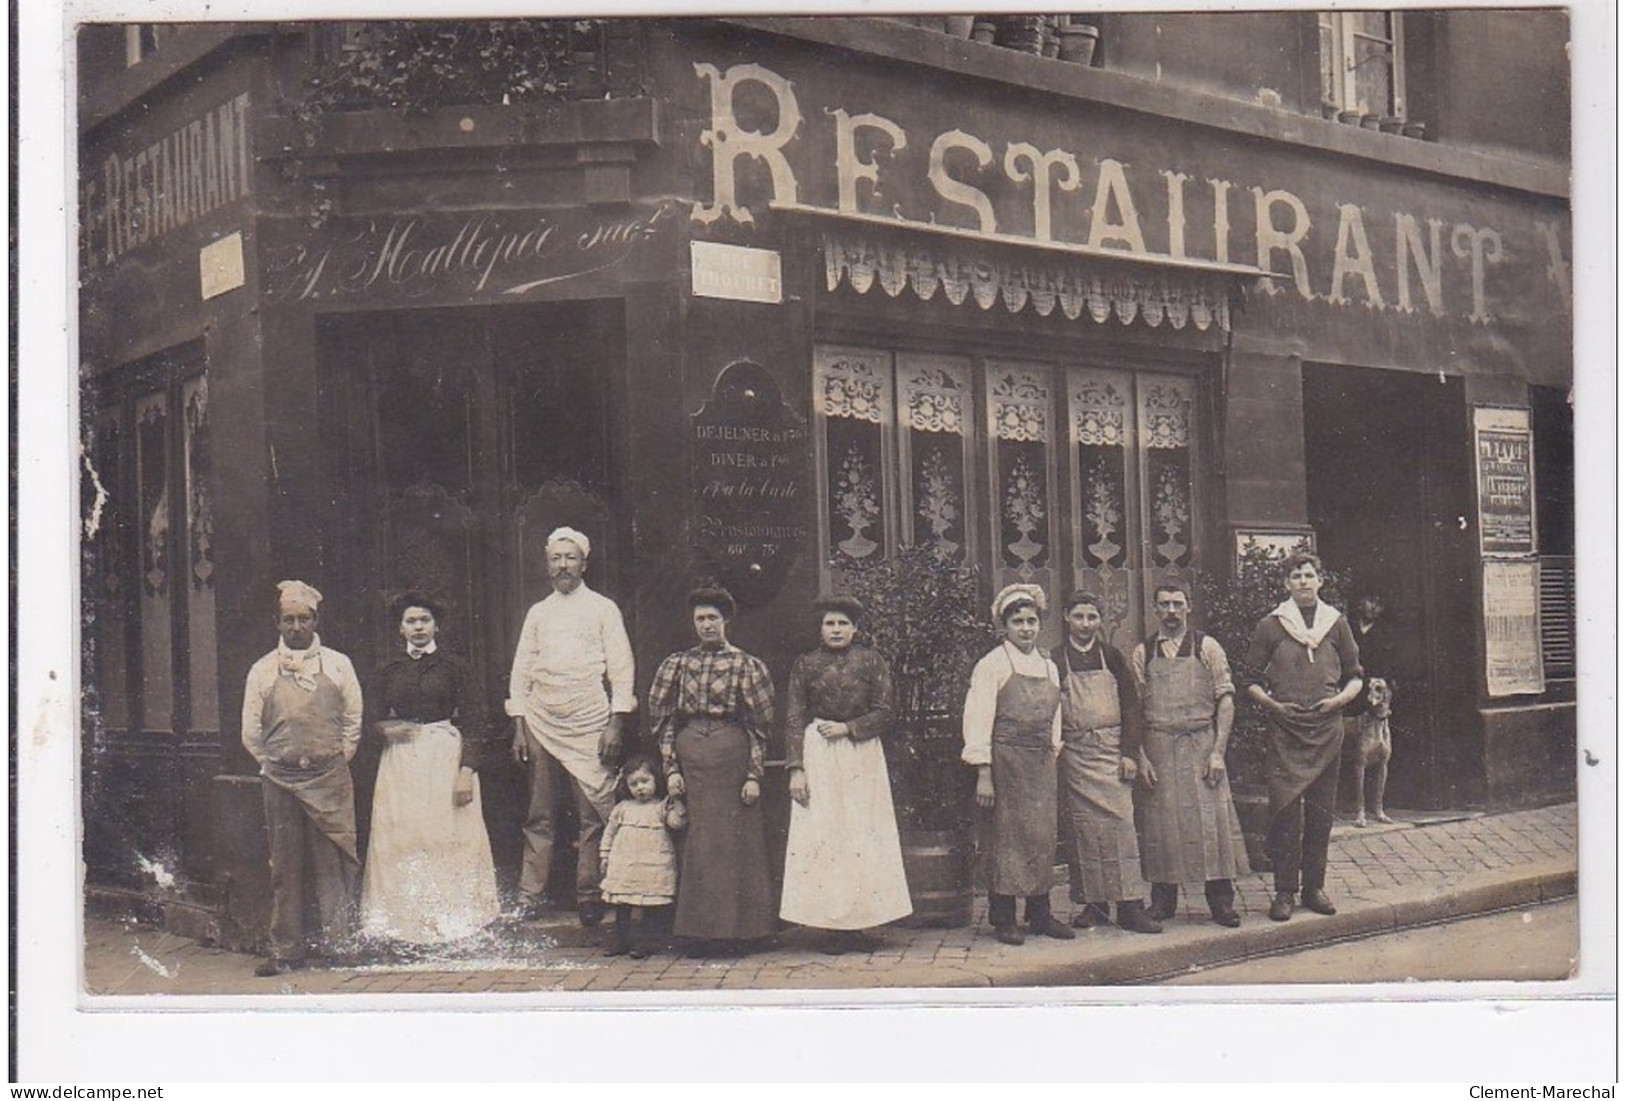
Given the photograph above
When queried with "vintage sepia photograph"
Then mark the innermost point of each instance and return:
(886, 503)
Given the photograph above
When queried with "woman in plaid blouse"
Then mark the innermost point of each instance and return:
(711, 706)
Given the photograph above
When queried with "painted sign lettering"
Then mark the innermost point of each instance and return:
(1341, 253)
(140, 197)
(748, 459)
(485, 253)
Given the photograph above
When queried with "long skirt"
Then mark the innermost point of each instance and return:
(1099, 807)
(1021, 846)
(723, 890)
(843, 868)
(428, 878)
(1192, 833)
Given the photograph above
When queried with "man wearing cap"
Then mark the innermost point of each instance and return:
(569, 693)
(302, 723)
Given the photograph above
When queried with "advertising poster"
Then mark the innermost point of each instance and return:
(1512, 664)
(1506, 481)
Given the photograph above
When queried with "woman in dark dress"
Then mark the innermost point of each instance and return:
(843, 866)
(710, 707)
(428, 878)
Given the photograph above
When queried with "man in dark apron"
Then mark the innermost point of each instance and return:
(302, 723)
(1308, 668)
(1100, 744)
(1191, 829)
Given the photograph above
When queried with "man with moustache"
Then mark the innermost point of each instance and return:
(569, 692)
(1191, 829)
(302, 722)
(1100, 741)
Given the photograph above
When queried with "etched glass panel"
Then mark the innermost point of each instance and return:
(154, 508)
(1019, 411)
(935, 413)
(853, 395)
(1165, 419)
(200, 603)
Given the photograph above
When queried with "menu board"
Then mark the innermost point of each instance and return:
(1504, 445)
(748, 455)
(1512, 660)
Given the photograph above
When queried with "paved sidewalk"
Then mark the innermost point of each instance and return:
(1423, 868)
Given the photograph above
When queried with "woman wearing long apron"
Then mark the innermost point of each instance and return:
(1012, 732)
(1309, 670)
(843, 867)
(428, 878)
(710, 707)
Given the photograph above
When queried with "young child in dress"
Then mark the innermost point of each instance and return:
(639, 858)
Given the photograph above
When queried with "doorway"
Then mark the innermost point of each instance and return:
(453, 442)
(1389, 488)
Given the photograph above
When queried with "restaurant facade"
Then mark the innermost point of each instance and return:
(771, 298)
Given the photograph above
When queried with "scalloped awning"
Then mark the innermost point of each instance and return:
(866, 252)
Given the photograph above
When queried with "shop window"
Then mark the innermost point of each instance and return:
(1021, 473)
(148, 553)
(1362, 62)
(1133, 490)
(1089, 473)
(142, 40)
(894, 453)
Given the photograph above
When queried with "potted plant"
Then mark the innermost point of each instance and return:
(1231, 607)
(923, 613)
(1078, 42)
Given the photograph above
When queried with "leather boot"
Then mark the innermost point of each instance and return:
(1132, 917)
(1164, 901)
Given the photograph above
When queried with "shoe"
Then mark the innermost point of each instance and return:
(526, 909)
(1091, 915)
(273, 967)
(1131, 917)
(1053, 928)
(1281, 908)
(617, 948)
(591, 913)
(1163, 907)
(641, 951)
(1009, 934)
(1315, 899)
(835, 944)
(1230, 919)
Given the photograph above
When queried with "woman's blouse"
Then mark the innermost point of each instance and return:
(711, 682)
(427, 689)
(852, 685)
(982, 700)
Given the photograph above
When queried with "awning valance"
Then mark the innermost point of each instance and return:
(865, 252)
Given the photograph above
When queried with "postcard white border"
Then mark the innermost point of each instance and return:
(1505, 1033)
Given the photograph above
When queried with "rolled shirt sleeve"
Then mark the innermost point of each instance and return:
(1218, 668)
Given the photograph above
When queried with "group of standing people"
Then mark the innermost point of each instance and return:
(429, 877)
(1085, 725)
(682, 836)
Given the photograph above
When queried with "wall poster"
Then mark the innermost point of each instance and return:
(1512, 659)
(1504, 447)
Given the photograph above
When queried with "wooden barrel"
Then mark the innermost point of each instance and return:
(938, 867)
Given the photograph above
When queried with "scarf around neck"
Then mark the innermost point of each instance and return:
(301, 665)
(1291, 618)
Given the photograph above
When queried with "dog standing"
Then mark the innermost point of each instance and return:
(1373, 747)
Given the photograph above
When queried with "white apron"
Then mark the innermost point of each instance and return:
(843, 868)
(429, 877)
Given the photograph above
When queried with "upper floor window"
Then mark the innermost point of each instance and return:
(1362, 62)
(142, 40)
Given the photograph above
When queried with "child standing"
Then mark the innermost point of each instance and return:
(639, 858)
